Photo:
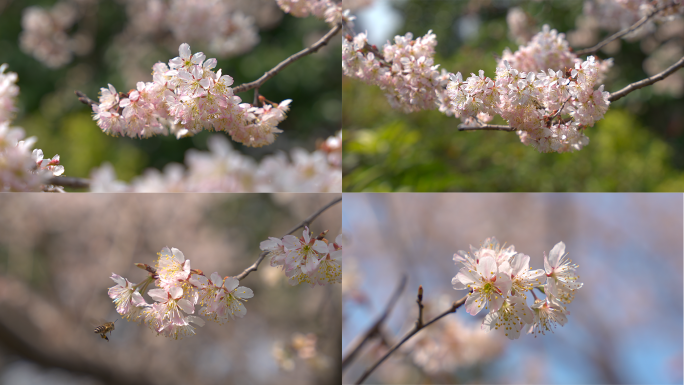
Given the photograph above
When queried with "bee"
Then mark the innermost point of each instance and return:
(107, 327)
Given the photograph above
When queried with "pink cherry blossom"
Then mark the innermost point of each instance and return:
(547, 314)
(511, 317)
(302, 253)
(561, 281)
(489, 286)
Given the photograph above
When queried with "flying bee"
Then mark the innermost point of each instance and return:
(107, 327)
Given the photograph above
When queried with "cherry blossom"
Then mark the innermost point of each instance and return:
(547, 314)
(499, 279)
(167, 315)
(184, 98)
(276, 251)
(302, 253)
(227, 301)
(562, 281)
(172, 267)
(511, 317)
(306, 259)
(489, 285)
(125, 296)
(179, 289)
(522, 277)
(548, 108)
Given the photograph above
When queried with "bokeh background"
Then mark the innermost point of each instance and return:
(121, 50)
(625, 324)
(638, 146)
(57, 253)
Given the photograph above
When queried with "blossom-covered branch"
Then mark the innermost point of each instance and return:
(180, 288)
(634, 27)
(305, 223)
(22, 168)
(613, 97)
(417, 327)
(312, 260)
(485, 127)
(544, 90)
(274, 71)
(83, 98)
(356, 345)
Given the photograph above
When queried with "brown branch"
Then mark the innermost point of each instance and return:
(313, 216)
(83, 98)
(410, 334)
(486, 127)
(305, 222)
(68, 181)
(646, 82)
(634, 27)
(307, 51)
(374, 330)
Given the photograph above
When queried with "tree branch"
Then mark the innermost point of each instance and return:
(271, 73)
(83, 98)
(68, 181)
(634, 27)
(486, 127)
(305, 222)
(646, 82)
(358, 343)
(410, 334)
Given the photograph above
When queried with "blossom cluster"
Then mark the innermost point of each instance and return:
(45, 34)
(22, 168)
(224, 169)
(328, 10)
(186, 97)
(405, 71)
(544, 91)
(499, 279)
(179, 289)
(534, 90)
(306, 259)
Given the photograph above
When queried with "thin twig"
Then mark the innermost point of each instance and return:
(69, 181)
(271, 73)
(617, 35)
(419, 301)
(83, 98)
(646, 82)
(486, 127)
(313, 216)
(415, 330)
(305, 222)
(357, 344)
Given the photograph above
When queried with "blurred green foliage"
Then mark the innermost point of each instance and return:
(638, 146)
(49, 110)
